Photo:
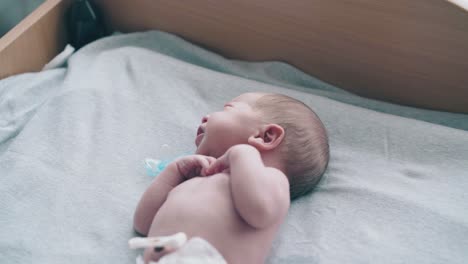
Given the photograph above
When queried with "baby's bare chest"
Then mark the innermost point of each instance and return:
(203, 199)
(211, 189)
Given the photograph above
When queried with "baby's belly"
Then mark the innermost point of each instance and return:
(204, 207)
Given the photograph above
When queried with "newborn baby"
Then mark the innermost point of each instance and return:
(252, 158)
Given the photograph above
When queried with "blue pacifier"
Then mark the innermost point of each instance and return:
(155, 166)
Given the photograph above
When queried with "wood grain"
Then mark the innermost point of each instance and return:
(35, 40)
(412, 52)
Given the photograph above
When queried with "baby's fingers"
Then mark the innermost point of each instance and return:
(205, 162)
(216, 167)
(210, 159)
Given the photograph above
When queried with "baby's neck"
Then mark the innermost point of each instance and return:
(273, 159)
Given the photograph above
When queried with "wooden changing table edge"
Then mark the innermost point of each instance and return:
(35, 40)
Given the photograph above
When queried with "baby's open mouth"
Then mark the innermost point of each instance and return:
(200, 130)
(200, 134)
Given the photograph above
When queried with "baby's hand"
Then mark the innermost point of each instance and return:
(223, 163)
(219, 165)
(193, 165)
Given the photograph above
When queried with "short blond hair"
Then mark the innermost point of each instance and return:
(305, 146)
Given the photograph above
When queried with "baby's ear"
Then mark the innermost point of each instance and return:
(268, 137)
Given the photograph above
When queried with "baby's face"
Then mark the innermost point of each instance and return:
(233, 125)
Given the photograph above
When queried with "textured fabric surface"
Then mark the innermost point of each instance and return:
(73, 141)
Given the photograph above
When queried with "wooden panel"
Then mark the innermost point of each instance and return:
(35, 40)
(411, 52)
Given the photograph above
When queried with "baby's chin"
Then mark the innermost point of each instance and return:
(199, 151)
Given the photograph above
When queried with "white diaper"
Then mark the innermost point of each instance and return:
(194, 251)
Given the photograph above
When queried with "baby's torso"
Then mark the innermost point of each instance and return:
(203, 207)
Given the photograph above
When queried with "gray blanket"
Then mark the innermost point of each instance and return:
(73, 141)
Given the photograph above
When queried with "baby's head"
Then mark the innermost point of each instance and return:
(278, 126)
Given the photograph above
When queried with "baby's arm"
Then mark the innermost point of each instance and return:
(260, 194)
(156, 194)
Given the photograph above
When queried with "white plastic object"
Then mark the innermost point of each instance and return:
(166, 242)
(60, 59)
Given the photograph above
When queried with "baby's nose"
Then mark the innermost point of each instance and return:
(205, 119)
